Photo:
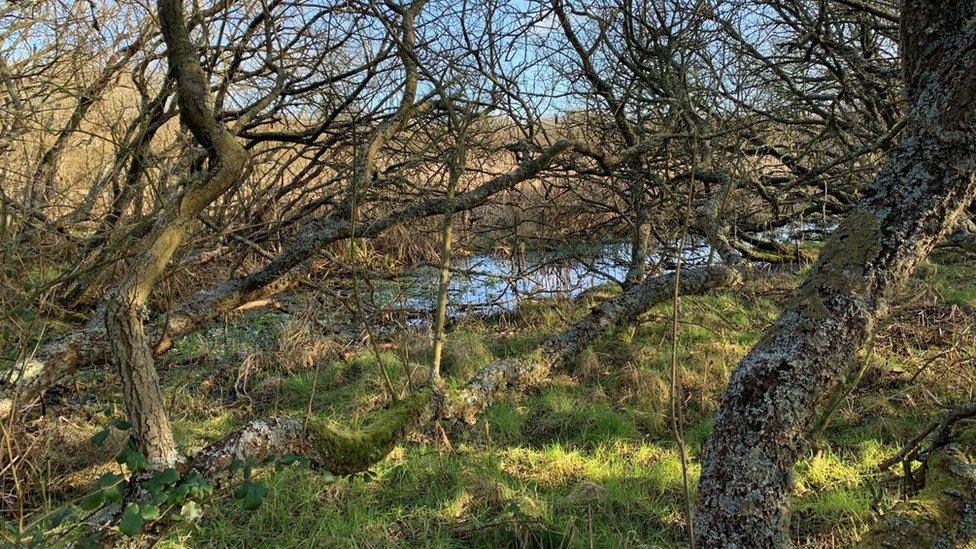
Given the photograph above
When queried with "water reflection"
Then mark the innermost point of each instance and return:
(493, 283)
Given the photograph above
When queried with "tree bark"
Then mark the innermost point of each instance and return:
(913, 202)
(126, 302)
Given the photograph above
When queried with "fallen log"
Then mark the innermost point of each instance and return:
(348, 452)
(942, 514)
(326, 445)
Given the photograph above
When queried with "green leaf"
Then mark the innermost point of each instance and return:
(252, 494)
(179, 493)
(99, 438)
(248, 467)
(92, 501)
(107, 479)
(191, 511)
(161, 480)
(132, 458)
(198, 486)
(235, 465)
(167, 476)
(149, 512)
(131, 523)
(113, 493)
(290, 459)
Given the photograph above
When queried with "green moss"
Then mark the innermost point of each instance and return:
(933, 516)
(345, 452)
(841, 266)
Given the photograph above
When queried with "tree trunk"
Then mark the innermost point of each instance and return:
(914, 201)
(126, 303)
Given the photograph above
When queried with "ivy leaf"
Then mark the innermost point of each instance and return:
(113, 493)
(178, 494)
(235, 465)
(167, 476)
(199, 487)
(92, 501)
(252, 494)
(131, 523)
(149, 512)
(133, 459)
(248, 467)
(162, 479)
(107, 479)
(99, 438)
(190, 511)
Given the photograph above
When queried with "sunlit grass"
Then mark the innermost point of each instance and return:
(586, 460)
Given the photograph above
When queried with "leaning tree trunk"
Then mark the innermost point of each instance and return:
(126, 302)
(914, 201)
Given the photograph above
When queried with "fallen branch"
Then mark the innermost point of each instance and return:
(619, 311)
(943, 514)
(344, 452)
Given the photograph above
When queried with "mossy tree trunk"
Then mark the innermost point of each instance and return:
(942, 514)
(914, 201)
(126, 302)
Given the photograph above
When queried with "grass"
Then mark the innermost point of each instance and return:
(586, 461)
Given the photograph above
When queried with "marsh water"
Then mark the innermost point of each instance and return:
(493, 283)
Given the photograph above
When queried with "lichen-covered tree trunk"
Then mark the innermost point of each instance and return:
(914, 201)
(126, 302)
